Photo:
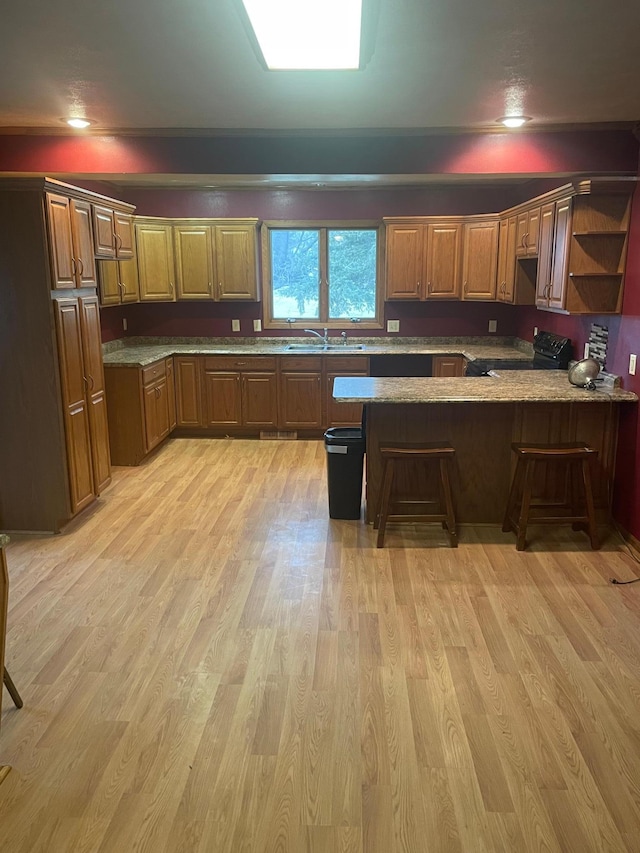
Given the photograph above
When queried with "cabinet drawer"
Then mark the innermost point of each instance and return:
(341, 363)
(250, 362)
(153, 372)
(302, 362)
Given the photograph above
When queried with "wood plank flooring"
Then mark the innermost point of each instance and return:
(210, 664)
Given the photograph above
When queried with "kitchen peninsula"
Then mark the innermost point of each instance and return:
(481, 417)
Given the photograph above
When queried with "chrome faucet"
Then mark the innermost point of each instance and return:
(324, 338)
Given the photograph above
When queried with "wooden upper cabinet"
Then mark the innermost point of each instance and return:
(118, 282)
(405, 261)
(194, 261)
(130, 285)
(528, 229)
(507, 260)
(480, 260)
(113, 232)
(443, 261)
(124, 235)
(236, 261)
(71, 241)
(155, 262)
(560, 257)
(545, 255)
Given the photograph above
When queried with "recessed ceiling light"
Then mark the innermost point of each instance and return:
(513, 121)
(307, 35)
(79, 123)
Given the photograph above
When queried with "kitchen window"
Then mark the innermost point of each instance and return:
(321, 275)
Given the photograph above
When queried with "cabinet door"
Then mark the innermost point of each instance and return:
(480, 260)
(405, 261)
(96, 398)
(108, 273)
(155, 262)
(448, 365)
(236, 262)
(61, 241)
(545, 246)
(259, 400)
(522, 223)
(194, 261)
(129, 284)
(560, 258)
(301, 400)
(507, 260)
(533, 232)
(74, 403)
(103, 230)
(443, 261)
(171, 395)
(83, 250)
(163, 413)
(152, 424)
(188, 396)
(223, 399)
(342, 414)
(123, 234)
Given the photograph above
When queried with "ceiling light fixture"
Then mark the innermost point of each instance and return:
(513, 121)
(78, 123)
(307, 35)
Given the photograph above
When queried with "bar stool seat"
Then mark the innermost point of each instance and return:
(390, 509)
(577, 456)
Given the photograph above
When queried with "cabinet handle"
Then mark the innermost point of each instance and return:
(124, 287)
(219, 289)
(81, 265)
(171, 288)
(91, 386)
(428, 287)
(241, 363)
(73, 267)
(211, 289)
(466, 287)
(118, 241)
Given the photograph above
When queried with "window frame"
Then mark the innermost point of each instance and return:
(268, 320)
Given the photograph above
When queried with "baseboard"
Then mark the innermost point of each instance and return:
(278, 435)
(630, 539)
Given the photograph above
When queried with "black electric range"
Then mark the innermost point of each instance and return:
(550, 352)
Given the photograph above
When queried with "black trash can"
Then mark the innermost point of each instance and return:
(345, 448)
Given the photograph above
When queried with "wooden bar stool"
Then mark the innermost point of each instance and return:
(528, 455)
(388, 508)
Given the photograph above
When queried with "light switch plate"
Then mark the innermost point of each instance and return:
(632, 364)
(393, 325)
(257, 325)
(586, 350)
(124, 323)
(493, 325)
(235, 325)
(535, 331)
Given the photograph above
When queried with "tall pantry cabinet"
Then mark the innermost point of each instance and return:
(54, 443)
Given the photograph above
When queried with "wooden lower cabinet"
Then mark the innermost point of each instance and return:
(448, 365)
(300, 389)
(188, 391)
(171, 394)
(156, 413)
(259, 400)
(222, 399)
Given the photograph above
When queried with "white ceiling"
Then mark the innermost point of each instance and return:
(133, 64)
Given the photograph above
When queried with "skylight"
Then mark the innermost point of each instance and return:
(313, 35)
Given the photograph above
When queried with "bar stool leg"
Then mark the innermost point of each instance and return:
(13, 690)
(523, 520)
(507, 524)
(588, 497)
(446, 489)
(385, 499)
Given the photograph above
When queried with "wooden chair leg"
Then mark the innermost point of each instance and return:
(385, 499)
(446, 488)
(523, 520)
(507, 523)
(588, 497)
(12, 689)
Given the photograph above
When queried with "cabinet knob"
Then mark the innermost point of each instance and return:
(211, 288)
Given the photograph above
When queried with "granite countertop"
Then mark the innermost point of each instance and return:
(513, 386)
(4, 540)
(139, 352)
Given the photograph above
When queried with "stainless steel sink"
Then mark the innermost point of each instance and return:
(323, 347)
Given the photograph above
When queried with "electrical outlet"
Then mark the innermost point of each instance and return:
(632, 364)
(585, 354)
(535, 331)
(493, 325)
(257, 325)
(124, 323)
(235, 325)
(393, 325)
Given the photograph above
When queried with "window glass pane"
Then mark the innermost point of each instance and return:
(295, 273)
(352, 273)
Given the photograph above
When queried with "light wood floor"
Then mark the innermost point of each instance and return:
(209, 664)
